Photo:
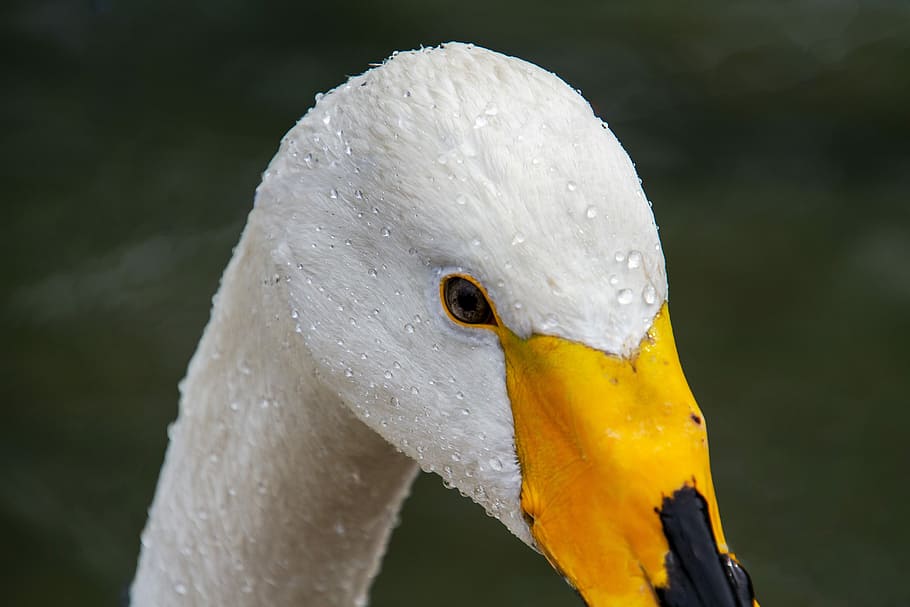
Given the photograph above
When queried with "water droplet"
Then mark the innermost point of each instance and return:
(348, 372)
(409, 328)
(496, 464)
(358, 194)
(348, 242)
(571, 186)
(415, 390)
(459, 395)
(518, 238)
(326, 119)
(625, 296)
(339, 528)
(372, 272)
(333, 193)
(480, 122)
(180, 588)
(620, 256)
(649, 294)
(394, 401)
(387, 374)
(295, 314)
(234, 406)
(385, 232)
(591, 212)
(634, 260)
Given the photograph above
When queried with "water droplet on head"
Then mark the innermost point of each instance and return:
(518, 238)
(571, 186)
(372, 272)
(348, 372)
(591, 212)
(649, 294)
(480, 122)
(634, 260)
(620, 256)
(180, 588)
(409, 328)
(496, 464)
(333, 193)
(461, 199)
(625, 296)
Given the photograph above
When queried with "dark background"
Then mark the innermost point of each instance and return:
(772, 138)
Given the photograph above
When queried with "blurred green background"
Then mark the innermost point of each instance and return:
(772, 138)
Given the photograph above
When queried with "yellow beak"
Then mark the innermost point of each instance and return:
(616, 482)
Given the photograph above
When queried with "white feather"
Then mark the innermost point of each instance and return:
(445, 159)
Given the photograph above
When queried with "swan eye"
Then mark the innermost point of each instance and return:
(466, 302)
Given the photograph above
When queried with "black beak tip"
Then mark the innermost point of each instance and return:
(699, 574)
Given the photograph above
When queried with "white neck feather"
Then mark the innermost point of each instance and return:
(266, 472)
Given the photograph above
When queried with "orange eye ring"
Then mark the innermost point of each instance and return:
(466, 302)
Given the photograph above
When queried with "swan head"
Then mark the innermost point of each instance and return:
(471, 259)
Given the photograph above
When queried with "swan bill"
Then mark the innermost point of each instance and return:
(616, 480)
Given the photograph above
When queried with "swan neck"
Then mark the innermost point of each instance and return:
(272, 492)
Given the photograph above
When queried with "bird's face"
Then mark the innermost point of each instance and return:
(472, 260)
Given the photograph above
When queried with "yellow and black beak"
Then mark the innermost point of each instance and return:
(616, 482)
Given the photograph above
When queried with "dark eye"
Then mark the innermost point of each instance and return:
(466, 302)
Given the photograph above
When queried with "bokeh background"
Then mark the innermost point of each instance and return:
(772, 138)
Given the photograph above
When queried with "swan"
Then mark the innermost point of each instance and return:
(450, 265)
